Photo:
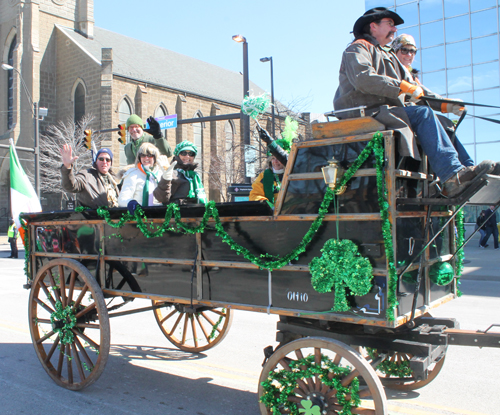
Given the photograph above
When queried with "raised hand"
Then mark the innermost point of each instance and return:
(67, 156)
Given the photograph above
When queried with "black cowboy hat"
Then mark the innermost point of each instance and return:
(374, 14)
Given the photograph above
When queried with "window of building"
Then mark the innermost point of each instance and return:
(458, 54)
(455, 7)
(487, 97)
(430, 11)
(485, 49)
(435, 81)
(410, 13)
(198, 141)
(161, 111)
(432, 34)
(79, 101)
(459, 80)
(370, 4)
(230, 153)
(486, 131)
(484, 23)
(486, 75)
(124, 111)
(457, 28)
(10, 85)
(481, 4)
(432, 59)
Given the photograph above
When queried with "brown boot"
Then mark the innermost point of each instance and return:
(461, 180)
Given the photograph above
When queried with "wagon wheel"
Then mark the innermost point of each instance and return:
(69, 323)
(396, 374)
(193, 331)
(323, 373)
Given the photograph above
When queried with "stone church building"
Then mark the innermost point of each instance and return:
(72, 68)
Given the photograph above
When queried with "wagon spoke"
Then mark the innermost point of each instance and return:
(202, 328)
(193, 327)
(47, 293)
(62, 283)
(45, 306)
(72, 280)
(78, 363)
(184, 331)
(52, 350)
(54, 285)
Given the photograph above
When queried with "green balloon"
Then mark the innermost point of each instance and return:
(441, 273)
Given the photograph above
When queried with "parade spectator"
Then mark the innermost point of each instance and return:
(12, 234)
(372, 76)
(95, 187)
(187, 185)
(140, 182)
(139, 136)
(479, 221)
(490, 227)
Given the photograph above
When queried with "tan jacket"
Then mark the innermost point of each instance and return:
(89, 186)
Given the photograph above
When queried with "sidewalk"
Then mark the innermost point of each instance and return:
(479, 264)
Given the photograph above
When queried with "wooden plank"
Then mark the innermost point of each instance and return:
(346, 127)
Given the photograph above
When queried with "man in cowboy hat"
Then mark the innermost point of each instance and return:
(372, 76)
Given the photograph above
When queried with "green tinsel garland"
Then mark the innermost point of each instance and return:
(281, 384)
(217, 324)
(341, 266)
(459, 264)
(396, 369)
(66, 315)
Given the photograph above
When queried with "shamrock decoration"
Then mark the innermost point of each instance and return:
(309, 409)
(341, 266)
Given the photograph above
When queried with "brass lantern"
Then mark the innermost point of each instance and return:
(332, 174)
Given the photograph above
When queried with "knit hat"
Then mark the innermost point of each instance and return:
(185, 146)
(403, 40)
(134, 119)
(107, 151)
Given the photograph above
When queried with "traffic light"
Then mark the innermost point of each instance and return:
(87, 140)
(122, 132)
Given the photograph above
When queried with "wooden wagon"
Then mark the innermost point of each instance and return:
(339, 345)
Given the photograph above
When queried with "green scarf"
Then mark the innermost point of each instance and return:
(145, 189)
(196, 189)
(268, 182)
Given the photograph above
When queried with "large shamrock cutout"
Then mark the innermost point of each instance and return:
(341, 266)
(309, 409)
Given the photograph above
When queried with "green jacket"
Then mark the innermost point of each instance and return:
(160, 143)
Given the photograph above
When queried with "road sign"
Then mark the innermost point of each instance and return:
(166, 121)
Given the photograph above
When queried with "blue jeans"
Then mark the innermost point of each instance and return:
(443, 157)
(490, 231)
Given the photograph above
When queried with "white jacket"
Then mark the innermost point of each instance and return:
(133, 185)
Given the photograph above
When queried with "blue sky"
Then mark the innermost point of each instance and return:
(305, 39)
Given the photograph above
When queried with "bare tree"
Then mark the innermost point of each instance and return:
(56, 135)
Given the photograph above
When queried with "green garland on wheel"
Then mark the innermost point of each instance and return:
(67, 317)
(280, 384)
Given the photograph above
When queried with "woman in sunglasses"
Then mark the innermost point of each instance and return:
(187, 186)
(141, 181)
(405, 48)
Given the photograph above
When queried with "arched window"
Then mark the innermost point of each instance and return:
(230, 153)
(198, 141)
(79, 100)
(124, 111)
(161, 111)
(10, 85)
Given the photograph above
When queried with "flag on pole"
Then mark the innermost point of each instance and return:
(22, 195)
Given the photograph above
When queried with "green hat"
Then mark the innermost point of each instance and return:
(283, 143)
(134, 119)
(185, 146)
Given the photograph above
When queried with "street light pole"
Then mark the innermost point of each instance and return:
(270, 59)
(35, 110)
(246, 92)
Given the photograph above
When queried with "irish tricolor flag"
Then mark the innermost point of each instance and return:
(22, 195)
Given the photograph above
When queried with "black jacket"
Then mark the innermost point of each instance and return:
(491, 222)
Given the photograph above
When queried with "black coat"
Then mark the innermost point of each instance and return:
(491, 222)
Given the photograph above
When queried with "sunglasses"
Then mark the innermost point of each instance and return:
(406, 51)
(187, 153)
(150, 156)
(104, 159)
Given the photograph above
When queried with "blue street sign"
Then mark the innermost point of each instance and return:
(166, 121)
